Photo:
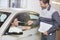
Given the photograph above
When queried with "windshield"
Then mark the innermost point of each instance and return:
(3, 17)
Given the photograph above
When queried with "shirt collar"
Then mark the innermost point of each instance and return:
(49, 7)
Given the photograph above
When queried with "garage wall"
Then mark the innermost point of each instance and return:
(31, 5)
(28, 4)
(35, 5)
(56, 4)
(4, 3)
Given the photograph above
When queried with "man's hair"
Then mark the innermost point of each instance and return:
(45, 1)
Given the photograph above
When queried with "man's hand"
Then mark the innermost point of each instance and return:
(30, 22)
(26, 27)
(45, 33)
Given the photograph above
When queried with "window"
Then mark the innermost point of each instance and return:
(4, 3)
(14, 3)
(3, 17)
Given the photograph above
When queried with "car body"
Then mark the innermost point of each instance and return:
(31, 34)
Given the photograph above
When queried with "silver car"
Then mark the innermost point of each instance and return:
(7, 16)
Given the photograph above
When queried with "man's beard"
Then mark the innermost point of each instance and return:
(43, 8)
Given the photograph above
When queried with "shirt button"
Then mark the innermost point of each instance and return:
(50, 34)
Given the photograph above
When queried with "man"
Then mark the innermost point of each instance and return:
(51, 16)
(16, 28)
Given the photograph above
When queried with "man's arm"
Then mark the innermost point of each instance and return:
(37, 22)
(56, 19)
